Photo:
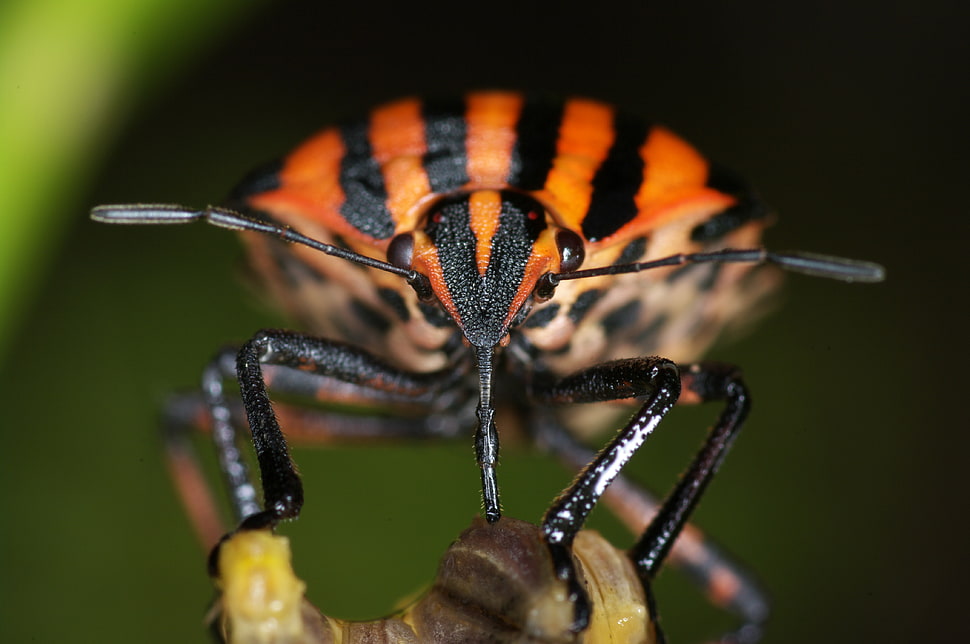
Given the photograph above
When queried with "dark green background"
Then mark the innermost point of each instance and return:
(843, 492)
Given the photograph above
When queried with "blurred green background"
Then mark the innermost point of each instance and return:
(844, 492)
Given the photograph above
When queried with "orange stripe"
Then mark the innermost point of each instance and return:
(544, 258)
(425, 260)
(485, 208)
(490, 122)
(673, 172)
(586, 135)
(310, 185)
(397, 141)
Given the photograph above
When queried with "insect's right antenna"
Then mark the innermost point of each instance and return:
(838, 268)
(234, 220)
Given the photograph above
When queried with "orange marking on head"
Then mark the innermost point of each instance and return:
(425, 260)
(544, 258)
(585, 137)
(491, 119)
(486, 210)
(397, 140)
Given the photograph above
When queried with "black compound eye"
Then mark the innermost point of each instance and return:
(401, 250)
(572, 250)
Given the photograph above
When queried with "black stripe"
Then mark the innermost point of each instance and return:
(617, 181)
(393, 299)
(622, 318)
(369, 316)
(445, 131)
(632, 252)
(584, 303)
(365, 206)
(748, 207)
(434, 315)
(537, 134)
(542, 317)
(262, 179)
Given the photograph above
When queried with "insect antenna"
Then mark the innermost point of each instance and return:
(839, 268)
(233, 220)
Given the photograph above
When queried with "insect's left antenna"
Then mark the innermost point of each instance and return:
(234, 220)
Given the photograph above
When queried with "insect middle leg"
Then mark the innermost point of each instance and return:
(654, 380)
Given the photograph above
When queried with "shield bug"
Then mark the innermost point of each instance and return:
(452, 259)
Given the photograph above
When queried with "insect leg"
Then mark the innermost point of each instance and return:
(725, 581)
(704, 383)
(188, 413)
(182, 414)
(306, 359)
(656, 380)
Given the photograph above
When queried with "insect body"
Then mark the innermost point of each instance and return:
(497, 250)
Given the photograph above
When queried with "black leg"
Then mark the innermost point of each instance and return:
(310, 363)
(189, 413)
(702, 383)
(242, 492)
(725, 581)
(656, 380)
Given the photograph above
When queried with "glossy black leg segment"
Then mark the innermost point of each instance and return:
(307, 359)
(726, 582)
(702, 383)
(656, 380)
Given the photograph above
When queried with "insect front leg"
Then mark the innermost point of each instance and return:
(655, 380)
(306, 365)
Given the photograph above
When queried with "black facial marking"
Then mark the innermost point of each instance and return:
(483, 302)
